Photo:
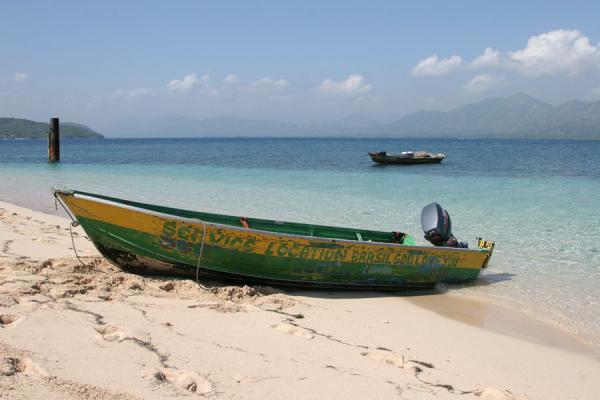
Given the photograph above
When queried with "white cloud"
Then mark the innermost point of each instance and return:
(268, 82)
(230, 78)
(185, 84)
(481, 83)
(561, 51)
(489, 58)
(354, 85)
(432, 66)
(134, 93)
(552, 53)
(21, 77)
(556, 52)
(202, 86)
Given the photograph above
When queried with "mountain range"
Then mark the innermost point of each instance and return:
(517, 116)
(18, 128)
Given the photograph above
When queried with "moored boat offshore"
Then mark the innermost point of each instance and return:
(145, 238)
(407, 157)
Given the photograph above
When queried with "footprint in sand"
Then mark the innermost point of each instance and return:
(397, 360)
(387, 357)
(12, 366)
(495, 394)
(289, 329)
(112, 332)
(185, 380)
(10, 320)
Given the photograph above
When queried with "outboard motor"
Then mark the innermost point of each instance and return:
(437, 226)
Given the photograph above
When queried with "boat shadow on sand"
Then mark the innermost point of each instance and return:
(441, 288)
(487, 279)
(483, 280)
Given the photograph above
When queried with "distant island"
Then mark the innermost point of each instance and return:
(18, 128)
(516, 117)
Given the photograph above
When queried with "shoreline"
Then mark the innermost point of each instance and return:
(504, 320)
(358, 341)
(541, 320)
(549, 330)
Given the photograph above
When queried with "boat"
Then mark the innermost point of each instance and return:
(407, 157)
(151, 239)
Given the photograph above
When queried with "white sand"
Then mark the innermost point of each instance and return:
(75, 332)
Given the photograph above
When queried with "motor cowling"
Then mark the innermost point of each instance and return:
(437, 226)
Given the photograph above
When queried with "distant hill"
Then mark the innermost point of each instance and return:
(178, 126)
(17, 128)
(517, 116)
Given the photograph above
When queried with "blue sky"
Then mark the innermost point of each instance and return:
(296, 61)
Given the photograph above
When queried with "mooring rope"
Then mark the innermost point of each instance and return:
(200, 256)
(73, 223)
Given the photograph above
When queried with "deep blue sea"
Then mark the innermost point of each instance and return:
(538, 200)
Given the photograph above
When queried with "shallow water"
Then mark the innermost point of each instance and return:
(538, 200)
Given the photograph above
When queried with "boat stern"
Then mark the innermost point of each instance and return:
(488, 246)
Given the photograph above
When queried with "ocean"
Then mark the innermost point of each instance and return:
(538, 200)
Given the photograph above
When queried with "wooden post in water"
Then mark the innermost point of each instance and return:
(53, 141)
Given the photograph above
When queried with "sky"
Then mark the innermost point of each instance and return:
(298, 61)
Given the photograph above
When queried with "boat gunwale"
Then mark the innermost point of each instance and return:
(258, 231)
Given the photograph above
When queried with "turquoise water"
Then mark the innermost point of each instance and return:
(537, 200)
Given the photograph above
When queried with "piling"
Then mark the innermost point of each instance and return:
(54, 141)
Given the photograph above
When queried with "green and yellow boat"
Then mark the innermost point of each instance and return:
(151, 239)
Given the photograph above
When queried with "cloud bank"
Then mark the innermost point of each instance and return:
(185, 84)
(354, 85)
(270, 83)
(432, 66)
(562, 51)
(481, 83)
(557, 52)
(134, 93)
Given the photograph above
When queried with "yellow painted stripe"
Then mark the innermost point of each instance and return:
(110, 214)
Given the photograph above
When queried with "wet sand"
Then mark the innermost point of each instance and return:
(503, 320)
(73, 331)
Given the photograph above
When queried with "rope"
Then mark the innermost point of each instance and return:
(200, 256)
(76, 223)
(73, 223)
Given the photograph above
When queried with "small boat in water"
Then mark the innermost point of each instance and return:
(151, 239)
(407, 157)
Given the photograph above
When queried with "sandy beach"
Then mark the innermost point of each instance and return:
(75, 331)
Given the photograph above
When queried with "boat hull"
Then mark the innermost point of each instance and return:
(150, 242)
(381, 159)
